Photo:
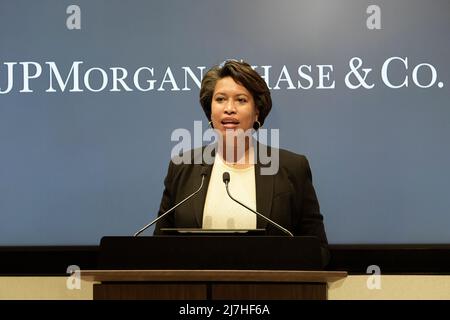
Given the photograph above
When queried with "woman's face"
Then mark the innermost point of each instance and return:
(232, 107)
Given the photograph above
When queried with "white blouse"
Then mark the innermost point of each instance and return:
(220, 211)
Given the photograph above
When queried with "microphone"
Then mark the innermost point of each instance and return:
(226, 180)
(203, 173)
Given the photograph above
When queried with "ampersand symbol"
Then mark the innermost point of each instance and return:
(361, 79)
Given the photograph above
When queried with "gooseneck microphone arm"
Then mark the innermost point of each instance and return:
(203, 173)
(226, 180)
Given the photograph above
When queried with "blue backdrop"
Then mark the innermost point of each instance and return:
(83, 154)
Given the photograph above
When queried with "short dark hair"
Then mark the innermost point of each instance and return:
(243, 74)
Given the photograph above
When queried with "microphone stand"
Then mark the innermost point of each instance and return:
(226, 179)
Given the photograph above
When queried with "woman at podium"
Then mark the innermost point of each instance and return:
(239, 183)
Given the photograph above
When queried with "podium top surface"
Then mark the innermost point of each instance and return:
(213, 275)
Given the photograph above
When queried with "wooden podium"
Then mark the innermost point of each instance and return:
(211, 284)
(211, 268)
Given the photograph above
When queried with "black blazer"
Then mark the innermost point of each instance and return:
(288, 197)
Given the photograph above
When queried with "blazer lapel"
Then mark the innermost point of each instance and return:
(200, 198)
(264, 193)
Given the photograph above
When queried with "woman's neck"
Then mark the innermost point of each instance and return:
(237, 156)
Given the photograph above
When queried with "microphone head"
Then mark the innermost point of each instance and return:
(226, 177)
(204, 171)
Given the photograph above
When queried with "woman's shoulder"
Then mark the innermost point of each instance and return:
(284, 155)
(186, 162)
(188, 157)
(292, 163)
(288, 154)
